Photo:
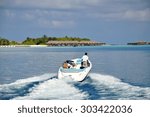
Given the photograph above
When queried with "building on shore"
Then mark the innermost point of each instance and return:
(74, 43)
(139, 43)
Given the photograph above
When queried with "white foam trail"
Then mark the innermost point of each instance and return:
(54, 89)
(49, 87)
(108, 84)
(22, 82)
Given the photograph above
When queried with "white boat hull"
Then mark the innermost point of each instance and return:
(75, 74)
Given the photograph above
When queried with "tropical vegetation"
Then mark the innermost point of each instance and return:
(41, 40)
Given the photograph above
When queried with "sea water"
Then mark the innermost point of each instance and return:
(118, 72)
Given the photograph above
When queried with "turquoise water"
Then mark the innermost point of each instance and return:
(119, 72)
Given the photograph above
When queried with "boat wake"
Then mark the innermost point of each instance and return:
(94, 87)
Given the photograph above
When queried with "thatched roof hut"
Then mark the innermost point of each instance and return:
(73, 43)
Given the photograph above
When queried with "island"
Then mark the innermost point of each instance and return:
(139, 43)
(50, 41)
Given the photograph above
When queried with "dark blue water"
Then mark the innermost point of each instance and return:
(119, 72)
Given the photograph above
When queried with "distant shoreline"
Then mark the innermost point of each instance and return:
(11, 46)
(139, 43)
(42, 46)
(46, 41)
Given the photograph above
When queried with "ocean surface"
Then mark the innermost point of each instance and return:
(119, 72)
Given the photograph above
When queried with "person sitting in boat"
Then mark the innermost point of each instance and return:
(85, 62)
(68, 64)
(71, 63)
(65, 65)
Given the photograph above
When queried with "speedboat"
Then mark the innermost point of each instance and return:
(75, 71)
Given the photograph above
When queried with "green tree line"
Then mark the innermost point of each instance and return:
(41, 40)
(4, 41)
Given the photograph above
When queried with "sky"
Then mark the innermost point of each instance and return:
(109, 21)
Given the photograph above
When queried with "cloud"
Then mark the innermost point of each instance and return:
(39, 18)
(9, 13)
(63, 24)
(56, 4)
(48, 18)
(48, 4)
(130, 15)
(75, 10)
(57, 24)
(73, 4)
(139, 15)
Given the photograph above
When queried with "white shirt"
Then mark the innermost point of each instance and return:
(85, 58)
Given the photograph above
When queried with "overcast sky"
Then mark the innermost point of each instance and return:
(110, 21)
